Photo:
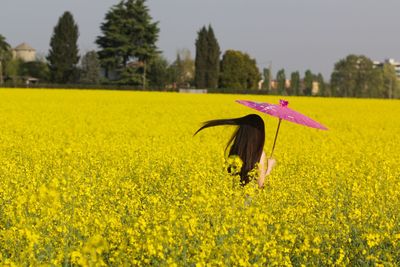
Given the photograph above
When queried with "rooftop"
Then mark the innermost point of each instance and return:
(23, 46)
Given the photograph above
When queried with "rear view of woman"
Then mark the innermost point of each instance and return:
(247, 142)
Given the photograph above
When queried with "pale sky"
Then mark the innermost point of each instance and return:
(292, 34)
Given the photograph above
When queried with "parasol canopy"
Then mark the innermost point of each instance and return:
(282, 112)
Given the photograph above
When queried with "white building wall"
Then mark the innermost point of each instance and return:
(25, 55)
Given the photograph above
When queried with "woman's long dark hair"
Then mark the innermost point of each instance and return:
(247, 141)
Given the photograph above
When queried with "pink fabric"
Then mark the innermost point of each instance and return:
(283, 112)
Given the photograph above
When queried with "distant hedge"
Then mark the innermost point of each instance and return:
(131, 88)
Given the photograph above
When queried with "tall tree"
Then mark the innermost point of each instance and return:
(5, 55)
(128, 35)
(343, 77)
(201, 59)
(308, 82)
(63, 56)
(281, 80)
(90, 68)
(396, 91)
(183, 68)
(13, 68)
(213, 55)
(112, 42)
(232, 70)
(252, 72)
(295, 82)
(37, 69)
(238, 71)
(267, 79)
(207, 59)
(389, 81)
(157, 72)
(321, 85)
(355, 76)
(367, 78)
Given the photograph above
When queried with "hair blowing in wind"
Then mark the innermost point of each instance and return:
(247, 141)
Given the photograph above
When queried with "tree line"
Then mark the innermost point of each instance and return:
(128, 55)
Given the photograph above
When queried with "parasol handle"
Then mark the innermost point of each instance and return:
(276, 136)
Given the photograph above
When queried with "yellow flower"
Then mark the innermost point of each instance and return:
(110, 178)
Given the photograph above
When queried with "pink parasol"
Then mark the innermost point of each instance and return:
(282, 112)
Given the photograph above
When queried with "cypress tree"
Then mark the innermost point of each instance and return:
(295, 82)
(64, 54)
(213, 53)
(321, 85)
(157, 72)
(90, 68)
(207, 59)
(308, 82)
(267, 79)
(281, 79)
(201, 59)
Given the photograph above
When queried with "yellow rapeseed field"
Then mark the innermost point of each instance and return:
(105, 178)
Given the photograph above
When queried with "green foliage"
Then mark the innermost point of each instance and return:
(267, 79)
(36, 69)
(131, 76)
(207, 59)
(355, 76)
(112, 41)
(182, 70)
(177, 70)
(5, 56)
(13, 70)
(128, 35)
(213, 55)
(17, 71)
(308, 82)
(238, 71)
(157, 72)
(295, 83)
(390, 82)
(64, 54)
(232, 70)
(90, 68)
(281, 80)
(200, 59)
(322, 85)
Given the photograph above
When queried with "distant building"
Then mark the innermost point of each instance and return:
(274, 84)
(260, 84)
(390, 61)
(315, 88)
(24, 52)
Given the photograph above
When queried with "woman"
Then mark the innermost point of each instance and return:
(247, 142)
